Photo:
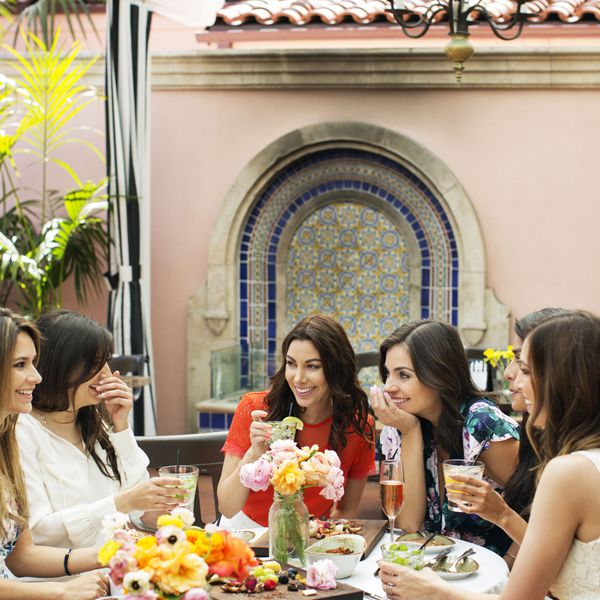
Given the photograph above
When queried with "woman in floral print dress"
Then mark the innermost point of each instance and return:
(430, 398)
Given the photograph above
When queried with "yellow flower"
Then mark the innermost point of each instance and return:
(306, 452)
(178, 570)
(145, 550)
(288, 478)
(108, 551)
(165, 520)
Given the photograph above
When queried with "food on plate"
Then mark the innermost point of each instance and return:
(265, 578)
(322, 528)
(339, 550)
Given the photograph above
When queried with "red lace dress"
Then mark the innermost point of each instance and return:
(357, 458)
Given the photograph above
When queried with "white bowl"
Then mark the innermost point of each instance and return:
(345, 563)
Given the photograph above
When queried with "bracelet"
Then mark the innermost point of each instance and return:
(66, 562)
(511, 555)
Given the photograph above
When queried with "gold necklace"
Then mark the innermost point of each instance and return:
(41, 416)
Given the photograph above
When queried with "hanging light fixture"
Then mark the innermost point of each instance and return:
(416, 19)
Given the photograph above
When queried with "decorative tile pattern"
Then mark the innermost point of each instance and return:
(332, 176)
(338, 264)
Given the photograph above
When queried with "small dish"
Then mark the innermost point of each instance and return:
(414, 540)
(467, 567)
(346, 562)
(243, 534)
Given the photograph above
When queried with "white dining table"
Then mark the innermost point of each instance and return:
(491, 577)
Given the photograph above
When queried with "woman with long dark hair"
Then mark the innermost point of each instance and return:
(430, 398)
(79, 455)
(559, 380)
(510, 511)
(19, 347)
(317, 383)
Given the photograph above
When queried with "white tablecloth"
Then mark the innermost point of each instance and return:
(491, 576)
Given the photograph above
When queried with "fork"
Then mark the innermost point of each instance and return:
(437, 558)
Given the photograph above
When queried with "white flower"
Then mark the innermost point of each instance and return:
(114, 522)
(136, 583)
(187, 516)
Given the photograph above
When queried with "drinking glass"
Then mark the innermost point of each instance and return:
(189, 476)
(403, 555)
(281, 431)
(391, 490)
(466, 468)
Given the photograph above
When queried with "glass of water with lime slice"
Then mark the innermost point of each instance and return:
(189, 477)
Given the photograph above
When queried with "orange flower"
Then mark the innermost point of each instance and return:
(177, 569)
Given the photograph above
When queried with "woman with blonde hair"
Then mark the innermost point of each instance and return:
(560, 383)
(19, 347)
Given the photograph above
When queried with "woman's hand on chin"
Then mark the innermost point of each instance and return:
(389, 414)
(118, 400)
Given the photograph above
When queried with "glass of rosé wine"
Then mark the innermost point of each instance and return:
(391, 490)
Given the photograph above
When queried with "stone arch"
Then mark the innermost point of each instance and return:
(216, 313)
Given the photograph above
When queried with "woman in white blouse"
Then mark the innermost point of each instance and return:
(79, 456)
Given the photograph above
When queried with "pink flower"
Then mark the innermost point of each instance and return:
(120, 564)
(316, 469)
(283, 450)
(333, 458)
(256, 475)
(196, 594)
(334, 490)
(321, 575)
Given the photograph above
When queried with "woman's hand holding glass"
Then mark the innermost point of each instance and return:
(158, 493)
(404, 583)
(260, 433)
(479, 497)
(388, 413)
(118, 400)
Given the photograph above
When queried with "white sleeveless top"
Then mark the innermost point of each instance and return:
(579, 577)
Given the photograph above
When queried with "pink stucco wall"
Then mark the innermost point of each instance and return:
(527, 159)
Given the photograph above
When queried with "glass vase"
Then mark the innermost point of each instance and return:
(288, 529)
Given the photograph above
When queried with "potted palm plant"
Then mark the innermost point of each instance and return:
(48, 238)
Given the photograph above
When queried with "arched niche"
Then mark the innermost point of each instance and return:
(244, 298)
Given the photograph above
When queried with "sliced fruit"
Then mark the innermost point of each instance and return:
(294, 421)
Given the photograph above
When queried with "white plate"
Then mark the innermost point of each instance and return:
(429, 549)
(460, 574)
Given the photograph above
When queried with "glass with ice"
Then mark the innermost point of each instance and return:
(189, 477)
(466, 468)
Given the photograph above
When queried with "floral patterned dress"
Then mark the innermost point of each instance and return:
(484, 423)
(6, 546)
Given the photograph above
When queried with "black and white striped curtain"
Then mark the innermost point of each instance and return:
(128, 32)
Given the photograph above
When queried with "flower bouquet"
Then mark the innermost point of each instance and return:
(173, 564)
(500, 359)
(290, 469)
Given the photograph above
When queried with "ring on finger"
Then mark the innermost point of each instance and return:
(389, 587)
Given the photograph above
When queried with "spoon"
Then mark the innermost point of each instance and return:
(452, 568)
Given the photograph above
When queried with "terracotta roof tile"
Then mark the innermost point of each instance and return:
(364, 12)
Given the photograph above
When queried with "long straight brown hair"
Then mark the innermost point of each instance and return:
(350, 405)
(12, 484)
(441, 364)
(564, 361)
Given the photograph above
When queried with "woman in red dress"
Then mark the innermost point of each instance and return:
(317, 383)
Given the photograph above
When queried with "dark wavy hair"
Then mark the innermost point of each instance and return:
(565, 372)
(440, 363)
(349, 400)
(75, 348)
(520, 488)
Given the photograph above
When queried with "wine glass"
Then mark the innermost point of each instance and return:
(391, 490)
